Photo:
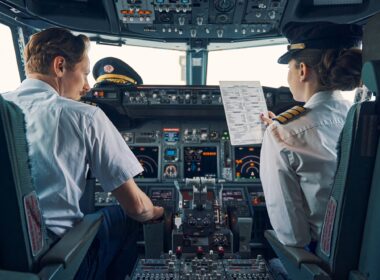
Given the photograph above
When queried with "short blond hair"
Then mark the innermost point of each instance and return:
(44, 46)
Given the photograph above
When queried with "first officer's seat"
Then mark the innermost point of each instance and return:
(26, 252)
(339, 250)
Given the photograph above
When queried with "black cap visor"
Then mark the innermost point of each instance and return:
(286, 57)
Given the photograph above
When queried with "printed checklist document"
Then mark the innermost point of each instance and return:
(243, 102)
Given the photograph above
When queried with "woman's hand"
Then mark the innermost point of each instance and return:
(267, 120)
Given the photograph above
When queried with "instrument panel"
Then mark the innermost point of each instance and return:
(179, 133)
(169, 150)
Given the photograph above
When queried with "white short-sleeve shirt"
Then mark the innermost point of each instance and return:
(66, 138)
(298, 165)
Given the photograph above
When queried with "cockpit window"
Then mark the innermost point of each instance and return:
(248, 64)
(10, 78)
(252, 64)
(155, 66)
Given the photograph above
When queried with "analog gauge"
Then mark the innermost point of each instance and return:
(224, 5)
(170, 171)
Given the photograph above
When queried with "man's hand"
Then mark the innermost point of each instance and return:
(267, 120)
(136, 203)
(158, 212)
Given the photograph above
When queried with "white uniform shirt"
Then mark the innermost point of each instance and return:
(298, 165)
(66, 138)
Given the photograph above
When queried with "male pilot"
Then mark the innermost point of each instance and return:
(66, 138)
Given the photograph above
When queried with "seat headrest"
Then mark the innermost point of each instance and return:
(371, 54)
(371, 39)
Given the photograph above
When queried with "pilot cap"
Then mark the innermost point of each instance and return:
(114, 70)
(319, 35)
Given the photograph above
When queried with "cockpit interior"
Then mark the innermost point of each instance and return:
(216, 224)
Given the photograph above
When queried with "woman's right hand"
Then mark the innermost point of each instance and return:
(267, 120)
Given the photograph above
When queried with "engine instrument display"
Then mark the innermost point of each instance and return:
(247, 162)
(232, 195)
(200, 162)
(148, 158)
(188, 195)
(158, 194)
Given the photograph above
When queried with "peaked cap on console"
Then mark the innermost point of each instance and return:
(113, 70)
(319, 35)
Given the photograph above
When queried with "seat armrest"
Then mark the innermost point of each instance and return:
(15, 275)
(71, 243)
(296, 255)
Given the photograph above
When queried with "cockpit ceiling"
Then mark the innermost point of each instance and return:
(197, 23)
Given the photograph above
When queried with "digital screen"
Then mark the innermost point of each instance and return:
(161, 195)
(236, 195)
(188, 195)
(247, 162)
(171, 134)
(148, 158)
(200, 162)
(170, 152)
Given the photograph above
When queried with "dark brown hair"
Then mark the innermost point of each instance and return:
(336, 69)
(44, 46)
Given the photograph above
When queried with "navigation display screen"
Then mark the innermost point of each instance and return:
(235, 195)
(200, 162)
(166, 195)
(247, 162)
(148, 158)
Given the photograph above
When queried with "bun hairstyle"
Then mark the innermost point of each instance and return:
(336, 69)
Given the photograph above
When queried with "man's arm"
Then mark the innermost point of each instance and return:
(136, 203)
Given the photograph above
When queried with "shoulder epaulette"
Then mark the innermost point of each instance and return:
(290, 114)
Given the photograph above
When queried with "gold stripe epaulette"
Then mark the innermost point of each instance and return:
(290, 114)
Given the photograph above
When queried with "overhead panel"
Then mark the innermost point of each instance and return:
(222, 20)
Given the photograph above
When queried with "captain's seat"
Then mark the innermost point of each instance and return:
(26, 252)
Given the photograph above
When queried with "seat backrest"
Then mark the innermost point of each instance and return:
(370, 253)
(342, 232)
(23, 238)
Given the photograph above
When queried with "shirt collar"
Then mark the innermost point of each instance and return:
(323, 96)
(38, 84)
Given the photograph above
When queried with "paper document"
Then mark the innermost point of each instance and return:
(243, 102)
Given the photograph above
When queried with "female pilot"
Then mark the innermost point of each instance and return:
(299, 155)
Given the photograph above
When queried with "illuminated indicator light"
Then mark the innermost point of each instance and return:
(101, 93)
(256, 200)
(171, 129)
(252, 164)
(251, 149)
(145, 12)
(127, 12)
(209, 153)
